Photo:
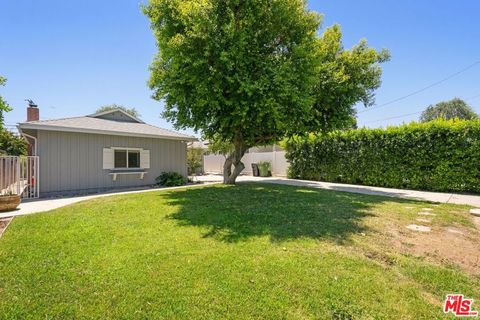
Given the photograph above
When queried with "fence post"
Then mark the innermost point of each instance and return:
(18, 176)
(37, 176)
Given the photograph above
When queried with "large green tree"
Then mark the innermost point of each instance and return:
(251, 72)
(452, 109)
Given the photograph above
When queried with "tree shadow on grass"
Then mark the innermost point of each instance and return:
(235, 213)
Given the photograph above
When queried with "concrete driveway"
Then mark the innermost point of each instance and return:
(441, 197)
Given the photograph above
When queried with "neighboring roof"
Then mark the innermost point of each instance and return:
(199, 144)
(92, 124)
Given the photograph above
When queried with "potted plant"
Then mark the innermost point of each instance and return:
(9, 201)
(265, 168)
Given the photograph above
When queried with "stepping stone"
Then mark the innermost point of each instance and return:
(475, 212)
(452, 230)
(409, 207)
(423, 213)
(424, 220)
(427, 209)
(415, 227)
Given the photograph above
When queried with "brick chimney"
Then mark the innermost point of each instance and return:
(33, 113)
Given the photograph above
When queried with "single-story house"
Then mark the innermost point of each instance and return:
(101, 151)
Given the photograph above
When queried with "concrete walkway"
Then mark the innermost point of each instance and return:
(40, 205)
(388, 192)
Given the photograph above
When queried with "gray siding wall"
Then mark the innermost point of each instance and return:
(73, 161)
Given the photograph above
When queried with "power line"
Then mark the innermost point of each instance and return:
(472, 97)
(411, 114)
(396, 117)
(424, 88)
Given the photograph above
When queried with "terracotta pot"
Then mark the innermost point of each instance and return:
(9, 203)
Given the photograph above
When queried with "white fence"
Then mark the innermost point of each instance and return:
(213, 163)
(19, 175)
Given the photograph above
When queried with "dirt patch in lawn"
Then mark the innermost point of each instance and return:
(456, 245)
(4, 224)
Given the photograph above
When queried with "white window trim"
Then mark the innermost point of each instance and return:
(109, 162)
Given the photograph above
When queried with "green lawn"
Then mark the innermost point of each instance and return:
(252, 251)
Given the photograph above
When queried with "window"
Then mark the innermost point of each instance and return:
(126, 159)
(120, 158)
(133, 159)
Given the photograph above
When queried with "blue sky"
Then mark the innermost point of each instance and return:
(71, 57)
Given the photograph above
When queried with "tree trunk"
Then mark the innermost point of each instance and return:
(234, 159)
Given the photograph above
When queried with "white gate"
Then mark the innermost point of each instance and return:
(19, 175)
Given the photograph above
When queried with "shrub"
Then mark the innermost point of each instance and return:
(11, 144)
(194, 160)
(171, 179)
(265, 168)
(440, 155)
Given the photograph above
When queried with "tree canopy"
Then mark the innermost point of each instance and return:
(10, 144)
(130, 111)
(253, 72)
(4, 106)
(216, 145)
(452, 109)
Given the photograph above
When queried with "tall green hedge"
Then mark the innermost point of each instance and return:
(439, 155)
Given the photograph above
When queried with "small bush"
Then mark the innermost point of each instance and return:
(11, 144)
(440, 155)
(171, 179)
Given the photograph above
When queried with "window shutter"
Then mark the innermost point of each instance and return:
(145, 159)
(108, 158)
